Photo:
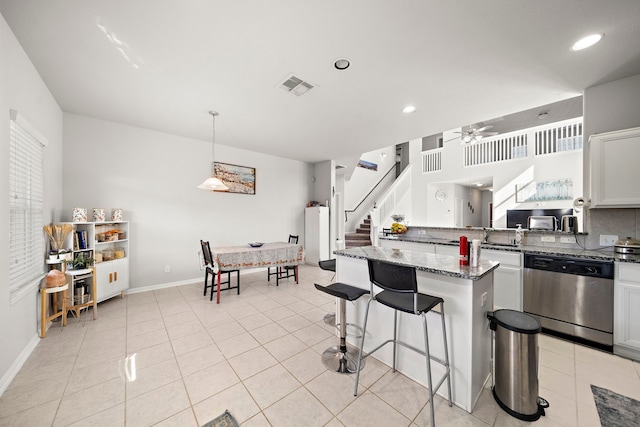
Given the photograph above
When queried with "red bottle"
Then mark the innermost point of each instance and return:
(464, 250)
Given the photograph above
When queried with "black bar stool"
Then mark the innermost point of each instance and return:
(329, 265)
(342, 358)
(400, 292)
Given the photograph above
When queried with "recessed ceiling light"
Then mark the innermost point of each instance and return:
(586, 42)
(479, 184)
(342, 64)
(409, 109)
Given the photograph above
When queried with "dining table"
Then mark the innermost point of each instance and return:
(265, 255)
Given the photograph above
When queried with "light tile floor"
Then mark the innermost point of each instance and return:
(258, 355)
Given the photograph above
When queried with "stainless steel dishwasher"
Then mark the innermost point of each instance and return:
(571, 296)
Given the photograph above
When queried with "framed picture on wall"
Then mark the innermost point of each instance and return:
(239, 179)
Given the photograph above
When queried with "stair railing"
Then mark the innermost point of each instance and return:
(348, 211)
(383, 209)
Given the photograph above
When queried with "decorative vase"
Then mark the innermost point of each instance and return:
(79, 215)
(98, 214)
(116, 214)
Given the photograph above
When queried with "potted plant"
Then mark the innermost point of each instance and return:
(64, 254)
(53, 255)
(80, 262)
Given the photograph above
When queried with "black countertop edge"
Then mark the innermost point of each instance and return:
(431, 263)
(601, 254)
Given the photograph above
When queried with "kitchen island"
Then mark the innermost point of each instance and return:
(468, 295)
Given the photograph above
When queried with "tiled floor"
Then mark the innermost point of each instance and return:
(258, 355)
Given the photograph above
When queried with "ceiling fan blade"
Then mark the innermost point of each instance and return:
(482, 129)
(486, 133)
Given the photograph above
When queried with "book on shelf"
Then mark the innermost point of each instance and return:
(82, 239)
(76, 244)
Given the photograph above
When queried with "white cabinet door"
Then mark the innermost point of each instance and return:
(450, 250)
(507, 288)
(614, 169)
(507, 279)
(112, 277)
(626, 309)
(412, 246)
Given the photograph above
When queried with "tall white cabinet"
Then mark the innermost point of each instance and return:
(108, 243)
(316, 234)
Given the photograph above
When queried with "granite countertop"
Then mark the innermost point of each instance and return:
(432, 263)
(602, 254)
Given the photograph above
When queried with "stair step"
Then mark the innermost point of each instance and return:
(356, 236)
(363, 230)
(356, 243)
(367, 221)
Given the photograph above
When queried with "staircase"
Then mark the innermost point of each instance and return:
(362, 236)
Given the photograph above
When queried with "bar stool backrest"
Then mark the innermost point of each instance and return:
(293, 239)
(393, 277)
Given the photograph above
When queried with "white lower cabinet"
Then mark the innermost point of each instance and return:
(412, 246)
(626, 310)
(112, 278)
(450, 250)
(507, 279)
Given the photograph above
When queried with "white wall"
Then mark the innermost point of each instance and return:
(153, 177)
(358, 185)
(22, 89)
(430, 212)
(363, 180)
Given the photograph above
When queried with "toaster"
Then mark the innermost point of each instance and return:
(542, 223)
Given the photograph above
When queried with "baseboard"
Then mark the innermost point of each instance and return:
(627, 352)
(181, 283)
(18, 362)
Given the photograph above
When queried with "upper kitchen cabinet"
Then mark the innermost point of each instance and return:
(614, 169)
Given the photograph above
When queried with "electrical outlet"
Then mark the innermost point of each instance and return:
(608, 239)
(548, 239)
(484, 299)
(167, 268)
(567, 239)
(422, 231)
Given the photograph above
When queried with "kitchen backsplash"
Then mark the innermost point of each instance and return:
(619, 222)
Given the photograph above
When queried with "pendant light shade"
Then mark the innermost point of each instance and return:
(212, 183)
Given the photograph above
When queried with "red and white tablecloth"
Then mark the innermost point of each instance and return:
(275, 254)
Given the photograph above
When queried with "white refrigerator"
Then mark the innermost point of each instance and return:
(316, 234)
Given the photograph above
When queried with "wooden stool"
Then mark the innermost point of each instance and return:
(43, 307)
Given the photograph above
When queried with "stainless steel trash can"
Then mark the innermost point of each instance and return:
(515, 371)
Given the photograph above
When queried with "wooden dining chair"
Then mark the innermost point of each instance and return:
(208, 268)
(286, 271)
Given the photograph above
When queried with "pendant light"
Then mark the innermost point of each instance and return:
(212, 183)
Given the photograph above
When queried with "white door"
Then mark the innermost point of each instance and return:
(458, 213)
(339, 222)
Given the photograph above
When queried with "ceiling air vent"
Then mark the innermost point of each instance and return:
(296, 85)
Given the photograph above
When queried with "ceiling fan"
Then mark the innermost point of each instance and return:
(473, 134)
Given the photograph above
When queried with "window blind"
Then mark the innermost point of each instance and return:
(26, 197)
